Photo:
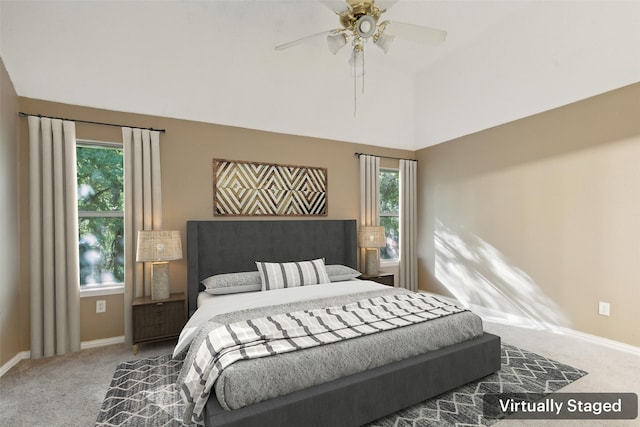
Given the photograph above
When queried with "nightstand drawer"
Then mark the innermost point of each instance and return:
(158, 313)
(154, 320)
(153, 332)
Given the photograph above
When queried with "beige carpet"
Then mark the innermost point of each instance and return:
(64, 390)
(68, 390)
(609, 370)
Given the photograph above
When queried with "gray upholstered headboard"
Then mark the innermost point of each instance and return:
(215, 247)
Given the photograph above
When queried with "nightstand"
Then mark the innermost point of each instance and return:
(155, 320)
(382, 278)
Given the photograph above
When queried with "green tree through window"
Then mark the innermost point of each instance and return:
(389, 208)
(100, 213)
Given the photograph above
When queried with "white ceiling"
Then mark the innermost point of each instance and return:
(214, 62)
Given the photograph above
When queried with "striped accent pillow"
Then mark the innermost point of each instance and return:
(280, 275)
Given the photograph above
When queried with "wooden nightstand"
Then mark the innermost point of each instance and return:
(155, 320)
(383, 278)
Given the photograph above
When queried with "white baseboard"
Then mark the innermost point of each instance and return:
(514, 320)
(14, 361)
(101, 343)
(617, 345)
(83, 346)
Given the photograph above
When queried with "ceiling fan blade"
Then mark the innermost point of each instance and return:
(385, 4)
(304, 39)
(416, 33)
(338, 6)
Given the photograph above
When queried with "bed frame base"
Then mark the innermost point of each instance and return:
(369, 395)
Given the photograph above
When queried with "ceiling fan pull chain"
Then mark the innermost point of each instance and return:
(355, 91)
(363, 71)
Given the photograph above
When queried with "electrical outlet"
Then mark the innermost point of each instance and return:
(603, 308)
(101, 306)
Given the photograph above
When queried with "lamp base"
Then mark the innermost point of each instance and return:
(160, 280)
(371, 262)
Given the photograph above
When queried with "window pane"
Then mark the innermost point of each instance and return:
(389, 208)
(389, 192)
(391, 228)
(101, 250)
(100, 179)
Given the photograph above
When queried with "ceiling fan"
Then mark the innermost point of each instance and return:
(360, 20)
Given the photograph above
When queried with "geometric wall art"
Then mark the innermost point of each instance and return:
(267, 189)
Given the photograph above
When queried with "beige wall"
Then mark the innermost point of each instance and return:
(10, 324)
(540, 218)
(536, 218)
(96, 326)
(187, 152)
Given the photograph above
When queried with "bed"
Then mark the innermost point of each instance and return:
(216, 247)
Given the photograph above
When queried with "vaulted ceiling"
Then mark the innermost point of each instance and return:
(214, 62)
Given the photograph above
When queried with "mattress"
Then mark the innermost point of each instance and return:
(250, 381)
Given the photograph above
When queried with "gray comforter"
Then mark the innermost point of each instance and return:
(251, 381)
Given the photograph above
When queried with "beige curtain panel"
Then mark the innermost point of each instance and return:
(408, 271)
(369, 196)
(54, 267)
(369, 190)
(142, 209)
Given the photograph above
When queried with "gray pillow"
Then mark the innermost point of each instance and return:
(233, 283)
(338, 273)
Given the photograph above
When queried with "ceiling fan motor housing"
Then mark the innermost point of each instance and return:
(361, 18)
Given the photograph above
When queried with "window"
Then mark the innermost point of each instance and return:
(389, 207)
(100, 213)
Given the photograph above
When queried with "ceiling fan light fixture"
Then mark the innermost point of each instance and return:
(356, 62)
(383, 41)
(365, 27)
(360, 21)
(335, 42)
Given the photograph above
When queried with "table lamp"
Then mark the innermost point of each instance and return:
(371, 238)
(159, 247)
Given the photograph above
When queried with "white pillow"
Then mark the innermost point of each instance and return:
(280, 275)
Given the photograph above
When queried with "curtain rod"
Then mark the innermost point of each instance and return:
(386, 157)
(21, 114)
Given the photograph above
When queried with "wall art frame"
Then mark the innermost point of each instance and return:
(244, 188)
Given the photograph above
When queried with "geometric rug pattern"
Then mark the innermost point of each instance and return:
(521, 372)
(142, 393)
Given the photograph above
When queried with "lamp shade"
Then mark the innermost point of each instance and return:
(158, 245)
(371, 237)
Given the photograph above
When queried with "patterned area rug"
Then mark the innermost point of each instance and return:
(142, 393)
(521, 372)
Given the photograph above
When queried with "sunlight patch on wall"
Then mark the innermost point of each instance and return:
(478, 274)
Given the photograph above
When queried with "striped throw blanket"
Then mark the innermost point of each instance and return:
(297, 330)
